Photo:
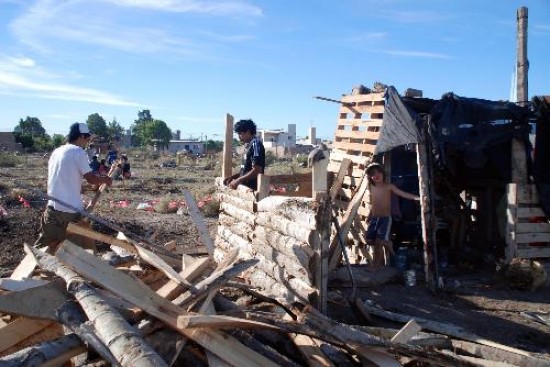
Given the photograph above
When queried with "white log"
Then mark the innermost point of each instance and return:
(248, 205)
(285, 226)
(124, 342)
(287, 245)
(238, 213)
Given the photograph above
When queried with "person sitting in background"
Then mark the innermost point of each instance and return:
(122, 169)
(126, 174)
(103, 169)
(94, 164)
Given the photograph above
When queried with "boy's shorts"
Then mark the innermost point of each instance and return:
(379, 228)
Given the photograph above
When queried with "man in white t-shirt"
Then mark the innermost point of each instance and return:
(67, 166)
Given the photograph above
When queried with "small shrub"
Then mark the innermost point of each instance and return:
(8, 160)
(211, 208)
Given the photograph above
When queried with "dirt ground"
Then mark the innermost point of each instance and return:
(475, 300)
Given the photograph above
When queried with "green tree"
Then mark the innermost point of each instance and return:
(144, 116)
(57, 140)
(43, 143)
(152, 132)
(31, 126)
(97, 125)
(115, 130)
(214, 145)
(27, 131)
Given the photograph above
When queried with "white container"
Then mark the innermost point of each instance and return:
(410, 278)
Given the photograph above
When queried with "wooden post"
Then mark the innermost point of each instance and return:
(228, 147)
(425, 178)
(321, 247)
(263, 187)
(512, 217)
(319, 177)
(519, 155)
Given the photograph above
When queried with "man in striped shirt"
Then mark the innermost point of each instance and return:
(253, 158)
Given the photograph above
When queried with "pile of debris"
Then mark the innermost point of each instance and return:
(148, 306)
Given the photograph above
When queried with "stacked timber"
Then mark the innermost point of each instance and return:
(140, 310)
(357, 132)
(281, 232)
(528, 229)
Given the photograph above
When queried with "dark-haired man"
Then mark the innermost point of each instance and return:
(253, 159)
(67, 166)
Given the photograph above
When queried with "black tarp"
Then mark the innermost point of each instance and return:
(541, 166)
(466, 133)
(398, 126)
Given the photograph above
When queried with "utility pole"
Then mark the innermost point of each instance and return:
(519, 156)
(522, 65)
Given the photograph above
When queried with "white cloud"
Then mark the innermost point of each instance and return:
(20, 76)
(431, 55)
(419, 16)
(132, 30)
(221, 7)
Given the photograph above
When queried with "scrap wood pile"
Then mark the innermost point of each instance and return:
(141, 309)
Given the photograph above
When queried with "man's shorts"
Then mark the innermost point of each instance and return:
(379, 228)
(54, 225)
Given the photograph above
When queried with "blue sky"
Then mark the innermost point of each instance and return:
(189, 62)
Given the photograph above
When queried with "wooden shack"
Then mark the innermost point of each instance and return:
(461, 153)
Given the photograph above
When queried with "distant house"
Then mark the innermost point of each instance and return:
(7, 143)
(279, 141)
(190, 146)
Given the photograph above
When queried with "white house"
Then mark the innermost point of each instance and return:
(278, 140)
(191, 146)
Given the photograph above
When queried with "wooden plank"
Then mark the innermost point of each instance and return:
(319, 178)
(37, 302)
(227, 162)
(22, 328)
(532, 237)
(143, 297)
(369, 135)
(527, 194)
(511, 221)
(407, 332)
(72, 228)
(529, 213)
(9, 284)
(197, 219)
(337, 155)
(425, 178)
(337, 183)
(533, 252)
(355, 98)
(25, 267)
(263, 189)
(289, 179)
(442, 328)
(532, 228)
(347, 221)
(356, 147)
(375, 123)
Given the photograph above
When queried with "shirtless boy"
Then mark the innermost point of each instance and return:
(379, 221)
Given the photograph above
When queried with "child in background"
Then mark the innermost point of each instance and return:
(379, 220)
(103, 169)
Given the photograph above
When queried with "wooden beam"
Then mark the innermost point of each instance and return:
(197, 219)
(142, 296)
(228, 147)
(347, 222)
(22, 328)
